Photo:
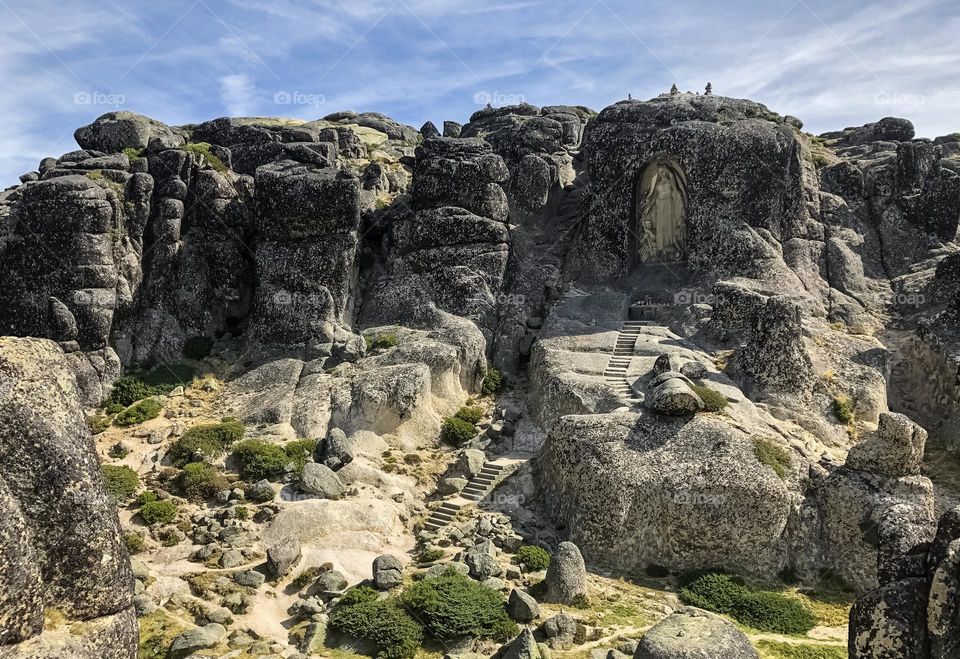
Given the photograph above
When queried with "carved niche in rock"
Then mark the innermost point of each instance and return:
(661, 213)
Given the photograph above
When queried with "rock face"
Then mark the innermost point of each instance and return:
(694, 634)
(61, 544)
(914, 612)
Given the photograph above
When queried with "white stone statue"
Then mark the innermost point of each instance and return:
(663, 215)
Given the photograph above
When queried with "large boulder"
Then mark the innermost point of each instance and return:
(566, 575)
(890, 622)
(894, 449)
(387, 572)
(282, 556)
(60, 539)
(116, 131)
(321, 480)
(693, 633)
(522, 607)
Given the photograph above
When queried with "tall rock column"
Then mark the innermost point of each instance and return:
(60, 540)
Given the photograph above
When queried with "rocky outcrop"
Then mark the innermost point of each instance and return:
(60, 544)
(694, 634)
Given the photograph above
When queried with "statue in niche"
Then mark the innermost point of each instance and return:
(662, 215)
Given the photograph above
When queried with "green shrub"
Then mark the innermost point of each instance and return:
(258, 459)
(146, 497)
(120, 481)
(133, 153)
(773, 455)
(456, 431)
(470, 414)
(843, 409)
(532, 558)
(158, 512)
(492, 382)
(118, 451)
(762, 610)
(242, 512)
(781, 650)
(197, 347)
(713, 400)
(127, 391)
(430, 555)
(200, 481)
(133, 542)
(206, 441)
(300, 452)
(98, 423)
(452, 607)
(383, 622)
(203, 150)
(380, 341)
(139, 412)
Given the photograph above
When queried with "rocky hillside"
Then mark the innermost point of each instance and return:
(673, 379)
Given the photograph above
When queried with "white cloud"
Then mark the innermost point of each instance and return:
(237, 94)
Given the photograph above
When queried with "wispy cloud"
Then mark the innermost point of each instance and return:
(833, 63)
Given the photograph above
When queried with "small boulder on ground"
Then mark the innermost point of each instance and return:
(693, 633)
(198, 638)
(482, 561)
(567, 575)
(387, 572)
(522, 607)
(321, 480)
(282, 557)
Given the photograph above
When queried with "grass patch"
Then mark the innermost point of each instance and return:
(780, 650)
(144, 410)
(120, 481)
(842, 407)
(430, 555)
(203, 151)
(713, 400)
(133, 542)
(133, 153)
(157, 632)
(306, 577)
(382, 341)
(492, 382)
(532, 558)
(99, 423)
(761, 609)
(830, 609)
(454, 607)
(773, 455)
(384, 622)
(206, 441)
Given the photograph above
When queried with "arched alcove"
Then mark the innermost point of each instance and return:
(660, 213)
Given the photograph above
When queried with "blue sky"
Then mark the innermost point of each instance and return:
(833, 63)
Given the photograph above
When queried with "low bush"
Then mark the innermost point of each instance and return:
(158, 512)
(118, 451)
(470, 414)
(197, 347)
(713, 400)
(120, 481)
(773, 455)
(200, 481)
(456, 431)
(127, 391)
(532, 558)
(133, 153)
(242, 512)
(453, 607)
(133, 542)
(144, 410)
(158, 382)
(380, 341)
(492, 381)
(206, 441)
(257, 459)
(204, 152)
(146, 497)
(300, 452)
(843, 409)
(763, 610)
(98, 423)
(430, 555)
(306, 577)
(383, 622)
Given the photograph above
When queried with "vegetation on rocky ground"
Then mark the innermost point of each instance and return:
(843, 409)
(532, 558)
(206, 441)
(380, 341)
(120, 481)
(713, 400)
(761, 609)
(204, 150)
(492, 381)
(384, 622)
(773, 455)
(470, 413)
(200, 481)
(257, 459)
(456, 431)
(781, 650)
(144, 410)
(158, 512)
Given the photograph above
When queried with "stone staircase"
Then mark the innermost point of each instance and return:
(490, 476)
(616, 373)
